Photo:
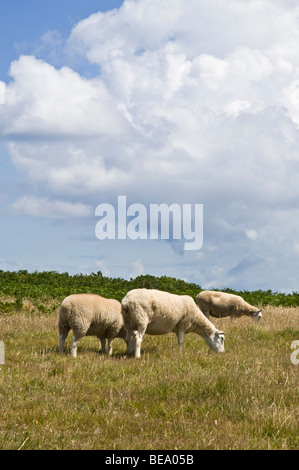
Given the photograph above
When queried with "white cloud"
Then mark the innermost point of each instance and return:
(196, 104)
(138, 268)
(45, 102)
(2, 92)
(156, 102)
(212, 71)
(44, 207)
(251, 234)
(69, 167)
(237, 107)
(290, 98)
(51, 39)
(101, 265)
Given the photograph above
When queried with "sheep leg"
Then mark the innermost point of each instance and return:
(74, 346)
(138, 341)
(130, 340)
(180, 336)
(103, 345)
(62, 338)
(110, 347)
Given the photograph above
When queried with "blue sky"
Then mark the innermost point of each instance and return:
(23, 24)
(163, 104)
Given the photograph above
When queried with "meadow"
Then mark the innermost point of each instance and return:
(245, 398)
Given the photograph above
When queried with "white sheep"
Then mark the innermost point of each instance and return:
(90, 315)
(222, 304)
(156, 312)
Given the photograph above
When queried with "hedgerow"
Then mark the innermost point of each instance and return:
(45, 286)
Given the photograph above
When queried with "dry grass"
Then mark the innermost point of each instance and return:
(246, 398)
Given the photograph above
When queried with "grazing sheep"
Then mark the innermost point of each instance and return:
(222, 304)
(156, 312)
(90, 315)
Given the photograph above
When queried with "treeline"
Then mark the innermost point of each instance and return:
(42, 287)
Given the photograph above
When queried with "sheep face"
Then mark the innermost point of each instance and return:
(256, 315)
(216, 341)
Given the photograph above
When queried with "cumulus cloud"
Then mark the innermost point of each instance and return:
(164, 84)
(196, 104)
(43, 101)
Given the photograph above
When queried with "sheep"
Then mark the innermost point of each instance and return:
(222, 304)
(90, 315)
(157, 312)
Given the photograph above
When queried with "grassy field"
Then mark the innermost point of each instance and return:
(246, 398)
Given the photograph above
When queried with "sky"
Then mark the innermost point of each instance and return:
(175, 102)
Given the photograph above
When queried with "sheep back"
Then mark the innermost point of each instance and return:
(160, 312)
(221, 304)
